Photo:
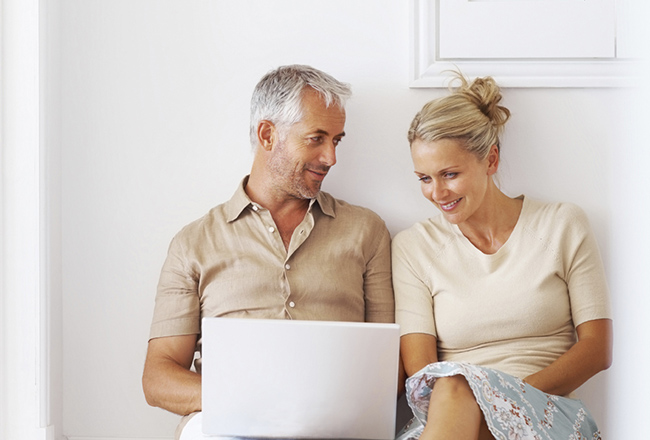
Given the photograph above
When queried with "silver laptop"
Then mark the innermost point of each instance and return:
(299, 379)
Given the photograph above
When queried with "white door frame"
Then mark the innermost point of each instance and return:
(24, 244)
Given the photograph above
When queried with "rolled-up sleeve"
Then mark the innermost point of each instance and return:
(177, 308)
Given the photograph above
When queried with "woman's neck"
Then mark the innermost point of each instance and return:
(489, 229)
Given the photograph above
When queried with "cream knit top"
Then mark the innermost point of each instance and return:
(515, 310)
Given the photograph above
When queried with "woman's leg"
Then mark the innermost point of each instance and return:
(453, 411)
(484, 432)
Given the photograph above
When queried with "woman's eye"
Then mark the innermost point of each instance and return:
(450, 175)
(424, 179)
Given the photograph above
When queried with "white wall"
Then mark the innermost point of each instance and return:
(154, 131)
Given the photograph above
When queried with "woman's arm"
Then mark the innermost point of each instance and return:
(453, 411)
(417, 351)
(590, 355)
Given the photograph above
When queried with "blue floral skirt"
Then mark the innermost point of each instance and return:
(513, 410)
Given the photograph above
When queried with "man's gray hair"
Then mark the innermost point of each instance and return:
(278, 96)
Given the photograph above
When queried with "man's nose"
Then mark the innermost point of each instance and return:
(328, 155)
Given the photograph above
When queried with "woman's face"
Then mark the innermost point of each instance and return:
(453, 179)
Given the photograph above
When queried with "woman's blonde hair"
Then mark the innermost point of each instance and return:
(470, 114)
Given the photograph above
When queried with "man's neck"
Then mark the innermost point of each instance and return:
(287, 211)
(261, 191)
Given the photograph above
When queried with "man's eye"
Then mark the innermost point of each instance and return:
(337, 141)
(316, 139)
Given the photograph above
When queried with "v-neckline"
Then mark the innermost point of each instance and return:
(515, 231)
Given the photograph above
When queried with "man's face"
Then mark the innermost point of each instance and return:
(305, 151)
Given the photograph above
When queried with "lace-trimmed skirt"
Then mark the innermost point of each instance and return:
(513, 410)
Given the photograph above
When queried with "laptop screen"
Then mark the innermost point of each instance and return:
(299, 379)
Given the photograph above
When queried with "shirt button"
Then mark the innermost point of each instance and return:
(287, 266)
(292, 304)
(271, 229)
(255, 208)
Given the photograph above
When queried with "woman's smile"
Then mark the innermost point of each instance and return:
(449, 206)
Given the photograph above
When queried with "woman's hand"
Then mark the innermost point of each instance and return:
(590, 355)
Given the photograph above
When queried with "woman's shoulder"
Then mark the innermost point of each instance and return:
(554, 212)
(554, 221)
(434, 230)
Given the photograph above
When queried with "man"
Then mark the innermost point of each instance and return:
(279, 248)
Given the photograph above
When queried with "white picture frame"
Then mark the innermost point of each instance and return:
(595, 61)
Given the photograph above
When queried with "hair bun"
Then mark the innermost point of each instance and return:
(470, 114)
(486, 95)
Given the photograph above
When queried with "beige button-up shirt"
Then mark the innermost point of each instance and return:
(232, 262)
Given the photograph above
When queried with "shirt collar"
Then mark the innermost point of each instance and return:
(326, 203)
(240, 201)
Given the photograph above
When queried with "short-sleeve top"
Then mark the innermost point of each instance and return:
(515, 310)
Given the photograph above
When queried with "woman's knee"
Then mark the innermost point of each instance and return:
(453, 410)
(453, 386)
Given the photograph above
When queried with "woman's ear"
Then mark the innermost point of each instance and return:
(266, 134)
(493, 160)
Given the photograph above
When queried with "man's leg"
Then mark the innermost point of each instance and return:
(192, 429)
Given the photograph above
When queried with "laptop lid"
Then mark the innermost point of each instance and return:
(299, 379)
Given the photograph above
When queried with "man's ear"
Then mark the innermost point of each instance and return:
(266, 134)
(493, 160)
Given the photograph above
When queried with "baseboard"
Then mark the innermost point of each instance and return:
(47, 433)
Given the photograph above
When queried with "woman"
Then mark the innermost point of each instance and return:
(502, 301)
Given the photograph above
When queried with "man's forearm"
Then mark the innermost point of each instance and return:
(169, 386)
(167, 380)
